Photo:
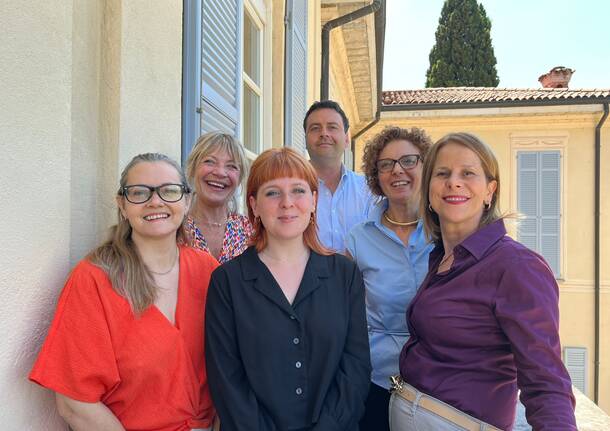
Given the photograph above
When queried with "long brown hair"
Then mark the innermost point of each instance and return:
(282, 163)
(489, 163)
(118, 255)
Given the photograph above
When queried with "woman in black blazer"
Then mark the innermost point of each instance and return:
(286, 337)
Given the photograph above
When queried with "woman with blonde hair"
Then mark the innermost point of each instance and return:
(125, 349)
(286, 340)
(485, 321)
(216, 167)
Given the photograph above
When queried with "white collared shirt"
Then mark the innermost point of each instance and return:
(339, 212)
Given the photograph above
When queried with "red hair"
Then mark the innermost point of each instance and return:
(282, 163)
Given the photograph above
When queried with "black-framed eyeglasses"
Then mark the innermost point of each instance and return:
(141, 193)
(408, 161)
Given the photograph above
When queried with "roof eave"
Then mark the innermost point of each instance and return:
(498, 104)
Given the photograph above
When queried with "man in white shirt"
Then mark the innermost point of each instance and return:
(343, 197)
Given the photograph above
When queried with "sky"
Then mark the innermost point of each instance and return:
(529, 37)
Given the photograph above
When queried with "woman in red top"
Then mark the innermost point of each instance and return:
(125, 349)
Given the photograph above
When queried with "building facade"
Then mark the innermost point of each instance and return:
(88, 84)
(548, 143)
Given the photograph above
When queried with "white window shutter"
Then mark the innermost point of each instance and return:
(295, 104)
(221, 65)
(538, 199)
(575, 360)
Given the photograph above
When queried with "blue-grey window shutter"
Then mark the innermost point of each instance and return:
(296, 74)
(539, 200)
(575, 360)
(221, 65)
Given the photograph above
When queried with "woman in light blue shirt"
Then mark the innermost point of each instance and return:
(392, 253)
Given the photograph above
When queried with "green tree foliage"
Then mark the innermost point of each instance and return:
(463, 55)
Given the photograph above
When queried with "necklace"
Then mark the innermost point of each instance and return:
(170, 268)
(445, 259)
(399, 223)
(202, 221)
(213, 223)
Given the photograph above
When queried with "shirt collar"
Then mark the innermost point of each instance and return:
(376, 212)
(250, 264)
(480, 241)
(343, 174)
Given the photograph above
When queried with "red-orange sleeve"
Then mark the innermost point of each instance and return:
(77, 358)
(201, 265)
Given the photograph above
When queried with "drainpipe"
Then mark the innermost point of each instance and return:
(597, 245)
(337, 22)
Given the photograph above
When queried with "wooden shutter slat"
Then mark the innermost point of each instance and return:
(296, 75)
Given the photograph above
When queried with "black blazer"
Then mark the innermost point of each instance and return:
(276, 366)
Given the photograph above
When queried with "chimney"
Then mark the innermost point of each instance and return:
(557, 77)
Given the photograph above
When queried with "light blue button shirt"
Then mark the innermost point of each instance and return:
(392, 274)
(339, 212)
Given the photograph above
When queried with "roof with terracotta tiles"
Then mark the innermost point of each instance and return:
(474, 95)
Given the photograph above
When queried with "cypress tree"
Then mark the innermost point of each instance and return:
(463, 55)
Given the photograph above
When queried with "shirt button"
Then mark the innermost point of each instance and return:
(292, 317)
(299, 391)
(298, 364)
(296, 340)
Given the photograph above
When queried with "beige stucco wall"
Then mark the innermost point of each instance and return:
(141, 84)
(35, 129)
(573, 133)
(87, 84)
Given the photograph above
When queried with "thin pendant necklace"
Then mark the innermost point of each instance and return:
(170, 268)
(213, 224)
(399, 223)
(202, 221)
(445, 259)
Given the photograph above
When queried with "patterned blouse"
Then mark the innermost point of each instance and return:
(237, 233)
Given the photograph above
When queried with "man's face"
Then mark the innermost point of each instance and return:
(325, 135)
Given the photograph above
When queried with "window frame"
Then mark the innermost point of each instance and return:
(257, 18)
(540, 142)
(260, 11)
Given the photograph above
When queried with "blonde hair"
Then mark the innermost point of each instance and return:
(281, 163)
(490, 168)
(119, 257)
(210, 143)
